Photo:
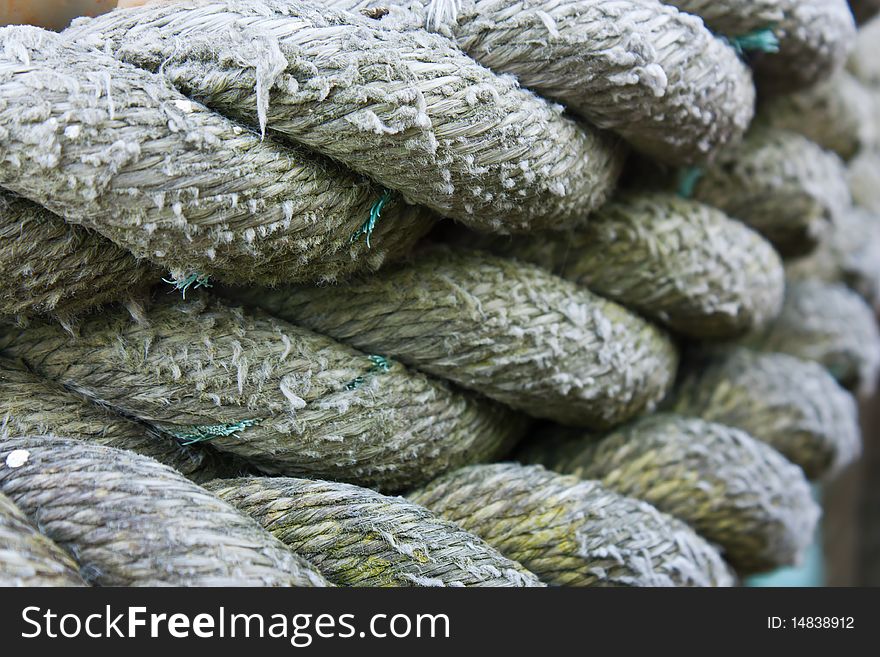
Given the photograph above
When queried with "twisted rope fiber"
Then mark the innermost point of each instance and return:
(681, 263)
(31, 406)
(792, 405)
(27, 558)
(53, 268)
(508, 330)
(357, 537)
(118, 150)
(637, 67)
(829, 324)
(408, 109)
(571, 532)
(782, 185)
(735, 491)
(863, 177)
(734, 18)
(864, 10)
(837, 114)
(850, 256)
(815, 39)
(131, 521)
(285, 399)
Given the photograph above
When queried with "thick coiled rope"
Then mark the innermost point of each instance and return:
(285, 399)
(644, 70)
(131, 521)
(408, 109)
(53, 268)
(863, 176)
(864, 61)
(830, 324)
(679, 262)
(735, 18)
(734, 490)
(27, 558)
(510, 330)
(32, 406)
(793, 405)
(357, 537)
(118, 150)
(782, 185)
(837, 114)
(571, 532)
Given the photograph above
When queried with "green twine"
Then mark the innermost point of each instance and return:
(202, 433)
(183, 284)
(375, 213)
(687, 181)
(762, 40)
(380, 364)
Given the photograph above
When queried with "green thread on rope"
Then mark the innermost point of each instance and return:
(183, 284)
(202, 433)
(762, 40)
(375, 213)
(380, 364)
(687, 181)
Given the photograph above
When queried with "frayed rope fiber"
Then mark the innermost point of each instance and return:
(407, 109)
(571, 532)
(506, 329)
(30, 405)
(117, 149)
(358, 537)
(130, 521)
(27, 558)
(186, 365)
(733, 18)
(639, 68)
(735, 491)
(681, 263)
(793, 405)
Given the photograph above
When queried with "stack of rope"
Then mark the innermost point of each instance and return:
(395, 262)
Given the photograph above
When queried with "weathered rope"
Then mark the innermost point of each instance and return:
(509, 330)
(679, 262)
(285, 399)
(357, 537)
(831, 325)
(735, 491)
(644, 70)
(571, 532)
(863, 176)
(31, 406)
(408, 109)
(130, 521)
(734, 18)
(782, 185)
(27, 558)
(815, 38)
(864, 10)
(793, 405)
(838, 114)
(52, 268)
(118, 150)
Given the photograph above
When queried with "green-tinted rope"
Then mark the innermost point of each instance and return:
(380, 364)
(375, 213)
(762, 40)
(687, 181)
(202, 433)
(183, 284)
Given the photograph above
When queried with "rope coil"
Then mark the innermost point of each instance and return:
(733, 18)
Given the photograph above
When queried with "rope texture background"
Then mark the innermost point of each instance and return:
(357, 537)
(509, 330)
(735, 18)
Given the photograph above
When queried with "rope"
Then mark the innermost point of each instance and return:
(782, 185)
(508, 330)
(837, 114)
(32, 406)
(733, 490)
(52, 268)
(678, 262)
(118, 150)
(864, 61)
(410, 110)
(792, 405)
(357, 537)
(637, 67)
(201, 364)
(27, 558)
(130, 521)
(573, 533)
(734, 17)
(863, 177)
(831, 325)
